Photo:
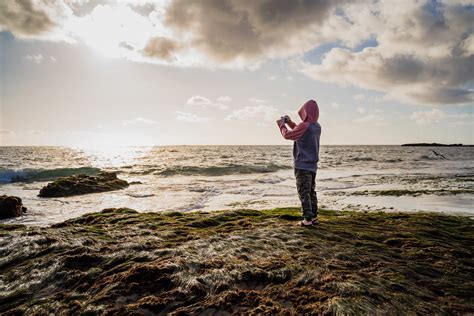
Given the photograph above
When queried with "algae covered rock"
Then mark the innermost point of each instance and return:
(83, 184)
(10, 206)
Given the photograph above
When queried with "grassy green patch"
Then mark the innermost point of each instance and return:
(119, 261)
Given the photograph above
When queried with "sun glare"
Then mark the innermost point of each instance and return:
(114, 31)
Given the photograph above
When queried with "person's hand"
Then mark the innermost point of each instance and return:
(280, 123)
(289, 120)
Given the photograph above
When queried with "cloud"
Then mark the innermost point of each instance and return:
(190, 117)
(255, 100)
(427, 117)
(24, 18)
(461, 116)
(35, 19)
(335, 105)
(422, 55)
(114, 29)
(224, 99)
(467, 46)
(161, 48)
(371, 119)
(139, 121)
(197, 100)
(421, 52)
(359, 97)
(436, 115)
(82, 8)
(206, 33)
(38, 59)
(230, 30)
(404, 77)
(143, 8)
(255, 112)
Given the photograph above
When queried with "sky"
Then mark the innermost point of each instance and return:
(103, 72)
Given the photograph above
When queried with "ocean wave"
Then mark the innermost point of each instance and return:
(30, 175)
(272, 180)
(221, 170)
(392, 160)
(143, 195)
(362, 159)
(427, 157)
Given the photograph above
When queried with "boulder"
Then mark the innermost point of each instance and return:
(83, 184)
(10, 206)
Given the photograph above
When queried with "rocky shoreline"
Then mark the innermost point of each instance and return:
(119, 261)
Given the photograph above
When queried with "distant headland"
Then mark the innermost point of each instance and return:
(436, 145)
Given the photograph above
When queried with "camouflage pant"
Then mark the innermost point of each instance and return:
(306, 186)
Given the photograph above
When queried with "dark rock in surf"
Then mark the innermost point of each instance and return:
(83, 184)
(10, 206)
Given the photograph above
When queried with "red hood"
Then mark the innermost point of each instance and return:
(309, 112)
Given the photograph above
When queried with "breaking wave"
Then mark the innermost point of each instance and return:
(30, 175)
(220, 170)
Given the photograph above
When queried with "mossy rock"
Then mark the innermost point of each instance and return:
(83, 184)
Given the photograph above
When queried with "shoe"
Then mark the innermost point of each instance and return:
(315, 221)
(306, 223)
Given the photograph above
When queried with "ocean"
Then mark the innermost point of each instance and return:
(188, 178)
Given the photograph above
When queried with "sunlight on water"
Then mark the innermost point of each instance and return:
(113, 156)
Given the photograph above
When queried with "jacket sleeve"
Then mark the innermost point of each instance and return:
(291, 124)
(295, 133)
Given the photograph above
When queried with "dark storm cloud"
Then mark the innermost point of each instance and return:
(229, 29)
(22, 18)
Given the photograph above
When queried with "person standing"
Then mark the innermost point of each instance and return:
(306, 137)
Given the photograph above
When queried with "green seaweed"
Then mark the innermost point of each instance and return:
(119, 261)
